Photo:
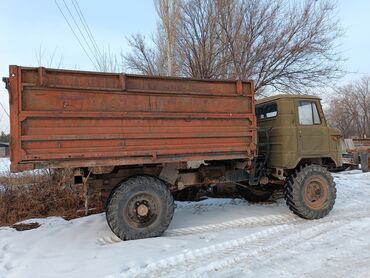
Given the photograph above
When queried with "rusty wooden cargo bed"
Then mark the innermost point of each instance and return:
(64, 119)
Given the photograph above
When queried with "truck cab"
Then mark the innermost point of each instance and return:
(298, 133)
(296, 149)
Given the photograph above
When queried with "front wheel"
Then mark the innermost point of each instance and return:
(140, 207)
(310, 192)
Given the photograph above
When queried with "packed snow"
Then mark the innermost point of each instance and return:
(211, 238)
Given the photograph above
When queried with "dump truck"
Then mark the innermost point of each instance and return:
(146, 139)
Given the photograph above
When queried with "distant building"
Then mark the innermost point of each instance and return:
(4, 149)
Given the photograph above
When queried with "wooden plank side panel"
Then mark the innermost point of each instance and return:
(77, 119)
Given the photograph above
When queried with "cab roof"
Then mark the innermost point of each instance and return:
(276, 97)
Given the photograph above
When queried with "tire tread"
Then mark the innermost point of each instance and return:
(124, 189)
(292, 191)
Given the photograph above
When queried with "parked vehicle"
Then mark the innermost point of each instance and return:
(144, 139)
(355, 154)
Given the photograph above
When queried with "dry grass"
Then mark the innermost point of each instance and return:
(46, 193)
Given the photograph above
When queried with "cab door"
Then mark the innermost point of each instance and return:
(313, 135)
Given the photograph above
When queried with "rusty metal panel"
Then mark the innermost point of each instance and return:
(62, 118)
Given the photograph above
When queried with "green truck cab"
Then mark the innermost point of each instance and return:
(300, 150)
(299, 132)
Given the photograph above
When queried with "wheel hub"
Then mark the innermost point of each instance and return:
(141, 210)
(316, 192)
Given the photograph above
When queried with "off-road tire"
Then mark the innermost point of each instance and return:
(125, 221)
(296, 193)
(254, 195)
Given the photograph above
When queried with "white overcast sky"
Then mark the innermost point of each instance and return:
(26, 26)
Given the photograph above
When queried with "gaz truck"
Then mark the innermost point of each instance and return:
(145, 139)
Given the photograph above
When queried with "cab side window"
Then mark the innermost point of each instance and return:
(308, 113)
(266, 111)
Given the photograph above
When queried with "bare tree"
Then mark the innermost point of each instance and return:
(161, 58)
(284, 45)
(49, 61)
(144, 59)
(169, 15)
(106, 62)
(109, 61)
(350, 109)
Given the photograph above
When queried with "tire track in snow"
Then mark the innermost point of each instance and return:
(239, 256)
(275, 219)
(159, 268)
(210, 203)
(284, 218)
(242, 222)
(345, 258)
(220, 203)
(233, 252)
(110, 239)
(237, 223)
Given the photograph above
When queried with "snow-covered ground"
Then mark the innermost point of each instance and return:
(212, 238)
(5, 169)
(4, 164)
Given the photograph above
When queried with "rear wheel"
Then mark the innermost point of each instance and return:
(310, 192)
(140, 207)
